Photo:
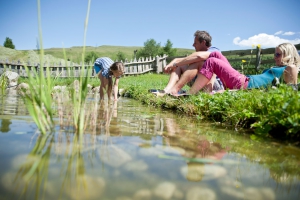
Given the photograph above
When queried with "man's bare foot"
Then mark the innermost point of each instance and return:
(159, 93)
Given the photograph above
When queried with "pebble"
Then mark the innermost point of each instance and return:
(165, 190)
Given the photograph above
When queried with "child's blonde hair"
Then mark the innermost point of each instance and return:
(290, 54)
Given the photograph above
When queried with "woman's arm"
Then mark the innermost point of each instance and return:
(290, 74)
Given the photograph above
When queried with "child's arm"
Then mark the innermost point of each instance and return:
(116, 89)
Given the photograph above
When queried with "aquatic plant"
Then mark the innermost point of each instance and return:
(39, 97)
(3, 82)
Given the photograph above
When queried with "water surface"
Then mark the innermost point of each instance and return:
(139, 152)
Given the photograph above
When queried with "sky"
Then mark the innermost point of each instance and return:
(233, 24)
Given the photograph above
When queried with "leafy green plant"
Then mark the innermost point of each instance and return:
(280, 111)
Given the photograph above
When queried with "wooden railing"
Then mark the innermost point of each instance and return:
(134, 67)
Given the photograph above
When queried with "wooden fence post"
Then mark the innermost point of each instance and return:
(258, 58)
(157, 64)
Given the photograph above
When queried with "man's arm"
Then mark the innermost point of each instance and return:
(194, 57)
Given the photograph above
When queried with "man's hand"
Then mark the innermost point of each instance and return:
(170, 67)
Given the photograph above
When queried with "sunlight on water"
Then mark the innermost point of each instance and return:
(139, 152)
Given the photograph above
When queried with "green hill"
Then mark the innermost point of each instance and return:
(74, 53)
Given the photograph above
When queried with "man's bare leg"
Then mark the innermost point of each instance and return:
(200, 82)
(186, 77)
(174, 77)
(209, 86)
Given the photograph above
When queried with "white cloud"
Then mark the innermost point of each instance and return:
(289, 33)
(264, 40)
(278, 33)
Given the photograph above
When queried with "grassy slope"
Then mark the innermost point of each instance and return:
(74, 53)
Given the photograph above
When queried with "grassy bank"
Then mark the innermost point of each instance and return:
(271, 112)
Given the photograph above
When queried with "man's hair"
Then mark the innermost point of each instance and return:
(203, 35)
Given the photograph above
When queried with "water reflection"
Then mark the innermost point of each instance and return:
(10, 105)
(130, 151)
(5, 125)
(198, 151)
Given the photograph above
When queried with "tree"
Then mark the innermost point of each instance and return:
(121, 56)
(8, 43)
(151, 48)
(168, 50)
(91, 57)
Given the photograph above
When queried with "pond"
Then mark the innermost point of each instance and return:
(144, 153)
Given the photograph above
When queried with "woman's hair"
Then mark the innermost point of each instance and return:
(290, 54)
(203, 35)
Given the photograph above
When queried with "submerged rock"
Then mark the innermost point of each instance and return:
(165, 190)
(199, 193)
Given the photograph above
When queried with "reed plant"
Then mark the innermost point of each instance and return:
(3, 82)
(31, 179)
(39, 97)
(34, 172)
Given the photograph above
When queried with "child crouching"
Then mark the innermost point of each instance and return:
(106, 70)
